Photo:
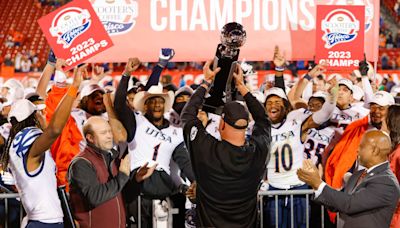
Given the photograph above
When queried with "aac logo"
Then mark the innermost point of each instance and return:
(117, 16)
(340, 26)
(69, 24)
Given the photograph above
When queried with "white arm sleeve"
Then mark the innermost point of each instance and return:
(368, 92)
(324, 113)
(307, 93)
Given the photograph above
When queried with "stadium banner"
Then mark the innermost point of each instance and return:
(340, 36)
(192, 27)
(75, 33)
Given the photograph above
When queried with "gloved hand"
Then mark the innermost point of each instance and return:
(51, 59)
(363, 67)
(7, 178)
(166, 54)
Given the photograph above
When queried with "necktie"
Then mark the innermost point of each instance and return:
(360, 178)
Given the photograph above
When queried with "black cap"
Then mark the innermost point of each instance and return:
(232, 112)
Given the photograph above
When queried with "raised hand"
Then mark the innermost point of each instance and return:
(317, 70)
(78, 75)
(209, 74)
(279, 59)
(60, 63)
(166, 54)
(238, 75)
(132, 65)
(97, 73)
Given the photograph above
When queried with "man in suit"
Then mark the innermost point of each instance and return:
(371, 195)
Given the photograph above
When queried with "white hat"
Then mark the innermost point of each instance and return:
(358, 93)
(29, 91)
(277, 92)
(346, 82)
(89, 89)
(154, 91)
(21, 109)
(382, 98)
(15, 91)
(319, 94)
(184, 89)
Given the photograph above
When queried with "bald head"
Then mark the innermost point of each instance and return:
(98, 132)
(374, 148)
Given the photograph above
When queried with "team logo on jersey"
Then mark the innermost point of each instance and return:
(69, 24)
(193, 133)
(340, 26)
(24, 139)
(117, 16)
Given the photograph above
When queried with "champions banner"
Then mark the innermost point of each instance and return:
(75, 33)
(340, 36)
(140, 28)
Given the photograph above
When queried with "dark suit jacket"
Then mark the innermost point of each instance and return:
(370, 204)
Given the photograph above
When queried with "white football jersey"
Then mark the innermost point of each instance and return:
(38, 189)
(287, 151)
(173, 117)
(153, 145)
(342, 118)
(316, 143)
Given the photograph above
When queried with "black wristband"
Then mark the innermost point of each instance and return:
(308, 77)
(206, 83)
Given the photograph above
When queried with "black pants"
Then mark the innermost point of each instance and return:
(178, 201)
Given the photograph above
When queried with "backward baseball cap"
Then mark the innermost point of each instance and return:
(233, 112)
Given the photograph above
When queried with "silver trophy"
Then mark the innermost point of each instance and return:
(233, 36)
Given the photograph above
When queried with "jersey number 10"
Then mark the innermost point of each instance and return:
(281, 154)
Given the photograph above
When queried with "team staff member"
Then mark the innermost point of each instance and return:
(371, 195)
(228, 172)
(95, 182)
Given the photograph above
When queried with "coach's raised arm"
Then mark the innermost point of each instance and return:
(228, 172)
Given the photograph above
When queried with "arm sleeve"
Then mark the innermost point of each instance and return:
(181, 157)
(84, 178)
(324, 114)
(154, 77)
(124, 113)
(377, 194)
(280, 82)
(262, 126)
(368, 91)
(189, 112)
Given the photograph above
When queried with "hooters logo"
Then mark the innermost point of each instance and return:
(117, 16)
(369, 9)
(69, 24)
(340, 26)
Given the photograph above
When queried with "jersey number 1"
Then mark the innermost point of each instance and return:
(155, 153)
(286, 149)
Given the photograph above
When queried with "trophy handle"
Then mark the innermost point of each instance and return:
(228, 87)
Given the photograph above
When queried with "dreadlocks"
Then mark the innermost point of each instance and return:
(16, 127)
